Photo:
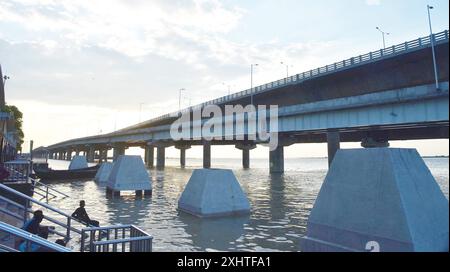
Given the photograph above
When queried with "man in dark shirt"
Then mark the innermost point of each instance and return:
(81, 214)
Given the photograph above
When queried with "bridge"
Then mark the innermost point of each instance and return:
(385, 95)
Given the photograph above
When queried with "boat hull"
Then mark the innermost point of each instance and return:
(51, 175)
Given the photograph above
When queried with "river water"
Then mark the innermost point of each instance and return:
(280, 205)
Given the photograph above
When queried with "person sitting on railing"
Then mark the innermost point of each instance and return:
(81, 214)
(34, 225)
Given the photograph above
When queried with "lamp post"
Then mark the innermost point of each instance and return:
(179, 98)
(287, 68)
(251, 82)
(432, 48)
(229, 87)
(383, 33)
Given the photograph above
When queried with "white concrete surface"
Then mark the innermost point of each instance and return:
(78, 162)
(380, 199)
(129, 174)
(103, 172)
(212, 193)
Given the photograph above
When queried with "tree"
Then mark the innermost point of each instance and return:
(17, 114)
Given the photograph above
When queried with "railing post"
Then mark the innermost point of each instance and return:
(446, 34)
(82, 241)
(69, 222)
(420, 41)
(25, 210)
(406, 46)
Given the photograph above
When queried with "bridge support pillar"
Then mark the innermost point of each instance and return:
(246, 158)
(91, 154)
(276, 160)
(119, 149)
(69, 155)
(182, 148)
(160, 157)
(182, 157)
(206, 155)
(246, 153)
(150, 156)
(334, 144)
(77, 153)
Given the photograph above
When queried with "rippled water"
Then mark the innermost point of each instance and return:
(280, 205)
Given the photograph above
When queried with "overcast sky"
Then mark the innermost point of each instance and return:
(79, 68)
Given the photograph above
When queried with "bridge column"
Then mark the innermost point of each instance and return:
(150, 156)
(119, 149)
(160, 157)
(77, 152)
(334, 144)
(246, 153)
(206, 154)
(276, 160)
(91, 154)
(69, 155)
(182, 148)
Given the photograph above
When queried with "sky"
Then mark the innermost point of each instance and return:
(80, 68)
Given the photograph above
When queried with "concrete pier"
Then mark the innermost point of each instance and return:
(91, 154)
(276, 160)
(182, 157)
(182, 148)
(160, 157)
(150, 156)
(129, 174)
(78, 162)
(378, 199)
(245, 153)
(206, 155)
(119, 149)
(334, 144)
(221, 194)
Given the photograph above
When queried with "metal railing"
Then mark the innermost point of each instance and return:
(32, 242)
(121, 238)
(19, 170)
(46, 191)
(68, 225)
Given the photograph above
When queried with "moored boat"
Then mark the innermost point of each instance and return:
(50, 174)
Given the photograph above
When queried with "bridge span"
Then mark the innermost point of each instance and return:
(389, 94)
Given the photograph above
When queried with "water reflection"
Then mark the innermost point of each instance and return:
(213, 233)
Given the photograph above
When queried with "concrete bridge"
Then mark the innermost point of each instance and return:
(384, 95)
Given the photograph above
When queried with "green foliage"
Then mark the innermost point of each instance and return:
(18, 122)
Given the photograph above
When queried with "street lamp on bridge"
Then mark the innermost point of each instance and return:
(287, 68)
(251, 81)
(383, 33)
(432, 48)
